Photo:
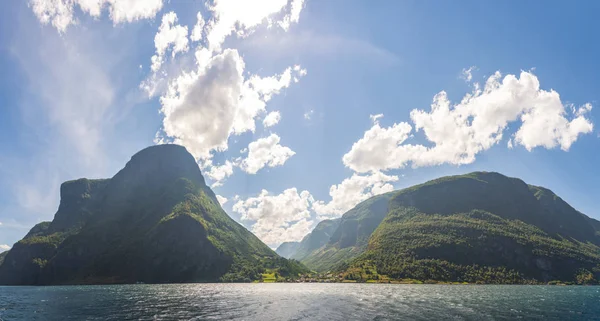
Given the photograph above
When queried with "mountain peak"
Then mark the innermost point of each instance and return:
(155, 221)
(168, 159)
(155, 169)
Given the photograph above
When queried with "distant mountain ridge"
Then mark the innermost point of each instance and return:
(478, 227)
(155, 221)
(287, 249)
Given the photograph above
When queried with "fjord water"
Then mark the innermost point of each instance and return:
(302, 301)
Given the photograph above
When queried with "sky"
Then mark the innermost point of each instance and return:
(297, 110)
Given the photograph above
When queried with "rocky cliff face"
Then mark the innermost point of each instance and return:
(155, 221)
(79, 200)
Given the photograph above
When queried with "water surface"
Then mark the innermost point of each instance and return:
(304, 301)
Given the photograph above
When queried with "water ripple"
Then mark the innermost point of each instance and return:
(299, 302)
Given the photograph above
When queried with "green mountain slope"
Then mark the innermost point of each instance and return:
(481, 227)
(155, 221)
(316, 239)
(349, 235)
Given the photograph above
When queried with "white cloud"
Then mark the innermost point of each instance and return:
(222, 200)
(467, 73)
(377, 147)
(352, 191)
(168, 36)
(546, 125)
(4, 247)
(278, 218)
(293, 16)
(202, 108)
(60, 13)
(265, 152)
(375, 118)
(268, 86)
(300, 72)
(131, 10)
(205, 106)
(582, 110)
(240, 17)
(198, 27)
(296, 8)
(220, 172)
(459, 132)
(271, 119)
(308, 114)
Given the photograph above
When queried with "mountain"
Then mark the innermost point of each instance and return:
(2, 255)
(348, 235)
(155, 221)
(287, 249)
(313, 241)
(479, 227)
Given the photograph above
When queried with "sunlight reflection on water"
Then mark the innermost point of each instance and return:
(299, 302)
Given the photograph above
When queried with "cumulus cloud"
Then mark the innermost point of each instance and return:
(374, 150)
(200, 106)
(203, 107)
(353, 190)
(60, 13)
(169, 36)
(546, 126)
(271, 119)
(222, 200)
(278, 218)
(240, 17)
(269, 86)
(220, 172)
(459, 132)
(293, 16)
(265, 152)
(4, 247)
(198, 27)
(287, 216)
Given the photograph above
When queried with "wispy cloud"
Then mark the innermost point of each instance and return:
(71, 105)
(327, 46)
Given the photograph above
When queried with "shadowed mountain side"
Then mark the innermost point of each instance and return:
(155, 221)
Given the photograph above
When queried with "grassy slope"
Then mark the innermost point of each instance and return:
(316, 239)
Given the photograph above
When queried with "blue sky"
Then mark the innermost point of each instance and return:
(79, 97)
